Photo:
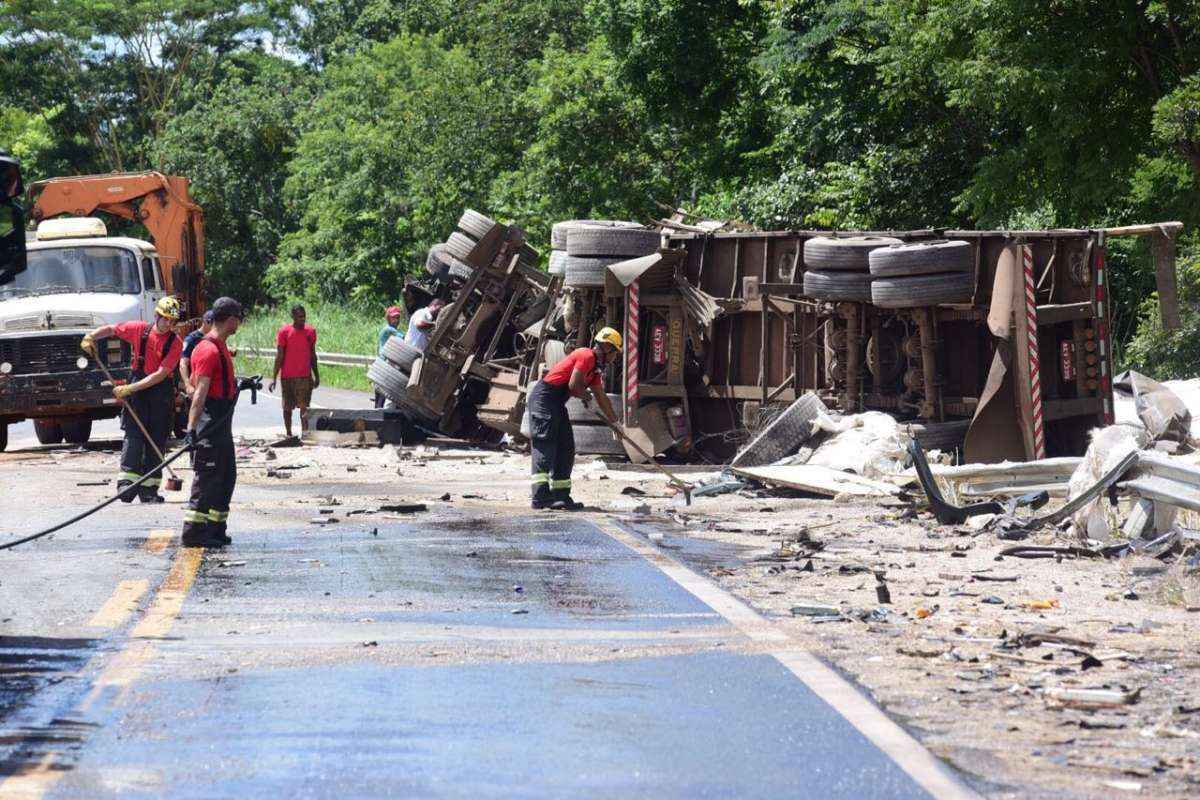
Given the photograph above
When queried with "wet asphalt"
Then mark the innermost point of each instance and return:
(456, 653)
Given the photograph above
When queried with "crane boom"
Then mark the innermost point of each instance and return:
(160, 202)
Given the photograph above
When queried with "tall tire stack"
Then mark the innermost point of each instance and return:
(838, 270)
(922, 274)
(592, 246)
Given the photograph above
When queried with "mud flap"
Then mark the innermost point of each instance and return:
(995, 434)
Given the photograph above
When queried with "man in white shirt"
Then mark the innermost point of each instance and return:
(420, 325)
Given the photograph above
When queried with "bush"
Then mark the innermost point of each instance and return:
(1164, 355)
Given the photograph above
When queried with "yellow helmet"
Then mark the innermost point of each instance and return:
(609, 336)
(168, 307)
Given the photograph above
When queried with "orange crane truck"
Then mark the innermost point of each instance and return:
(77, 278)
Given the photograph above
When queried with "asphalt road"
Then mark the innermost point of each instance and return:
(453, 653)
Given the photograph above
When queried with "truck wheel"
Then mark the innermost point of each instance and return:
(921, 258)
(77, 431)
(401, 353)
(596, 440)
(474, 224)
(915, 291)
(558, 262)
(3, 436)
(626, 242)
(560, 231)
(587, 273)
(838, 285)
(48, 431)
(850, 254)
(944, 436)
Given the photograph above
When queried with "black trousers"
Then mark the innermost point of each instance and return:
(155, 407)
(553, 443)
(214, 467)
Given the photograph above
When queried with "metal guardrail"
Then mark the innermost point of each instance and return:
(324, 359)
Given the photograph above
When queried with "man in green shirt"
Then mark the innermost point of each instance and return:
(389, 330)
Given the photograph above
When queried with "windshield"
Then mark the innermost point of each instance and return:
(76, 269)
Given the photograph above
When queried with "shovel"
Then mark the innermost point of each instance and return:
(171, 484)
(683, 486)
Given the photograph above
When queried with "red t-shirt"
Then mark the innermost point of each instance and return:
(298, 345)
(132, 332)
(584, 360)
(206, 362)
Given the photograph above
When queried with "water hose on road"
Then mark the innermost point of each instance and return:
(253, 384)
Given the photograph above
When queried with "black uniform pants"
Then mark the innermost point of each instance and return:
(155, 408)
(214, 465)
(553, 442)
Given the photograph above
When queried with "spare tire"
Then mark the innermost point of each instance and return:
(596, 440)
(627, 242)
(838, 285)
(558, 262)
(923, 290)
(587, 273)
(400, 353)
(921, 258)
(560, 230)
(850, 254)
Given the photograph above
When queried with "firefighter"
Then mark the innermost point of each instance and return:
(149, 393)
(550, 427)
(210, 431)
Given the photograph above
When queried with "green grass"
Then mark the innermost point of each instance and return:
(340, 329)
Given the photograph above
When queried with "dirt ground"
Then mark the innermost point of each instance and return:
(965, 653)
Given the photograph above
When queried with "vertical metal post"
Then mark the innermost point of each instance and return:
(632, 318)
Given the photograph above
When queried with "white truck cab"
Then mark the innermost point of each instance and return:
(77, 279)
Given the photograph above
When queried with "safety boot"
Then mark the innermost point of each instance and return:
(218, 530)
(150, 496)
(567, 504)
(199, 534)
(125, 491)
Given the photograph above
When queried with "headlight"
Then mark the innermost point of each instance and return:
(81, 362)
(5, 368)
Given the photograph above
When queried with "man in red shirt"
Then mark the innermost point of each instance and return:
(550, 427)
(149, 394)
(296, 359)
(210, 431)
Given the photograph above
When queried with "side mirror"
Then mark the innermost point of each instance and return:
(11, 186)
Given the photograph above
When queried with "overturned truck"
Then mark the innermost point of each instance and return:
(995, 342)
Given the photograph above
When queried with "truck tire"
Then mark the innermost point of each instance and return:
(625, 242)
(587, 273)
(838, 285)
(474, 224)
(459, 245)
(3, 436)
(561, 230)
(401, 354)
(392, 383)
(944, 436)
(850, 254)
(439, 259)
(921, 258)
(783, 436)
(596, 440)
(590, 416)
(558, 262)
(77, 431)
(47, 431)
(915, 291)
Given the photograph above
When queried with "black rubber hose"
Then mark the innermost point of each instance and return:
(251, 383)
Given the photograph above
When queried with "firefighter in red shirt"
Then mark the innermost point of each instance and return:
(550, 427)
(210, 431)
(150, 394)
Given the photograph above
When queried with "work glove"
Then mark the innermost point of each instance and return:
(88, 345)
(189, 439)
(123, 391)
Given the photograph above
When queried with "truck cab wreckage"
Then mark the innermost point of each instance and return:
(995, 343)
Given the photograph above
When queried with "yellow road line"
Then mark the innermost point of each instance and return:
(158, 540)
(117, 608)
(896, 743)
(122, 670)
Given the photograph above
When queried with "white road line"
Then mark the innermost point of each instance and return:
(921, 765)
